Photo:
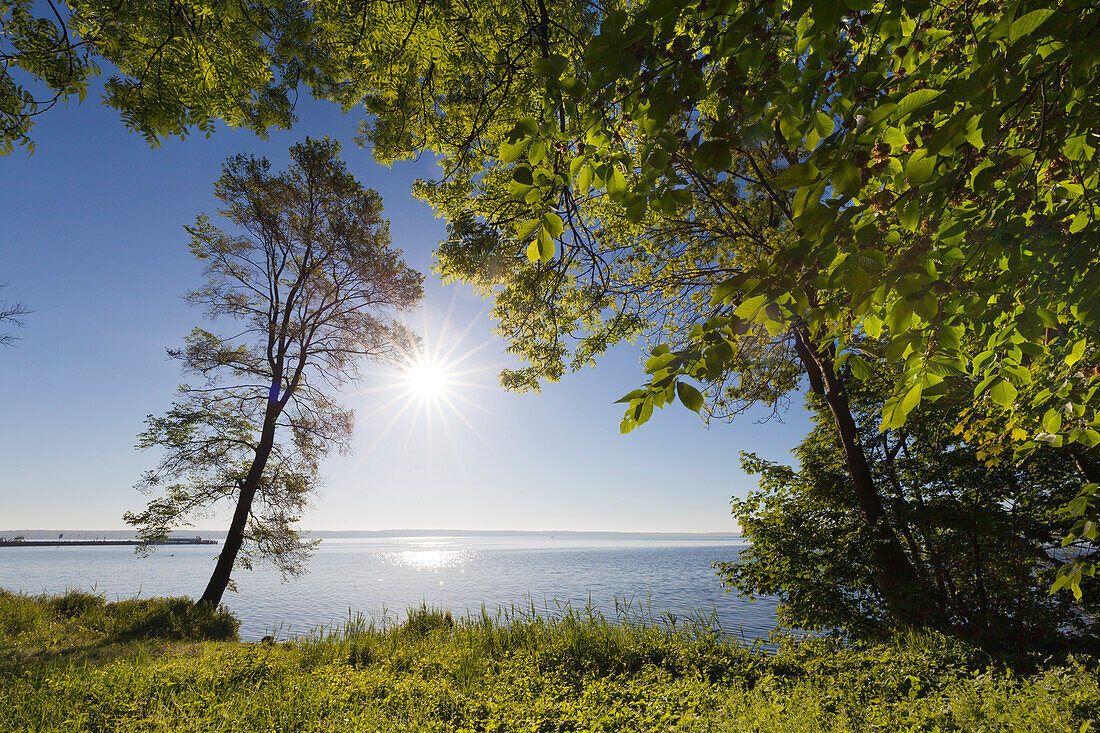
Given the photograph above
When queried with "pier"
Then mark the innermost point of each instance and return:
(98, 543)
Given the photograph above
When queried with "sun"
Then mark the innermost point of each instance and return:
(427, 379)
(429, 387)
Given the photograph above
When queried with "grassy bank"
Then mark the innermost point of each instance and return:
(75, 663)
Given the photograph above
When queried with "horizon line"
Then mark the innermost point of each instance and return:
(444, 531)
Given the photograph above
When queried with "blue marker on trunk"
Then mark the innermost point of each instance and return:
(273, 395)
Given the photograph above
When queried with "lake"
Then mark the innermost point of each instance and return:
(382, 576)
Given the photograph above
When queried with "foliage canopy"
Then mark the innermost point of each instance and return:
(941, 173)
(179, 66)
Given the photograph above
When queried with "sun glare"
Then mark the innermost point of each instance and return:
(427, 380)
(430, 391)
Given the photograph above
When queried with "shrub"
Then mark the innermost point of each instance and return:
(170, 618)
(422, 621)
(88, 619)
(74, 603)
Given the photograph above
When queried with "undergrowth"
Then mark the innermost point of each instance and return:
(86, 622)
(516, 671)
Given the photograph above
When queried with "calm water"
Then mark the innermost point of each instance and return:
(384, 576)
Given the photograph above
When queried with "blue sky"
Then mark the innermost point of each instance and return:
(91, 239)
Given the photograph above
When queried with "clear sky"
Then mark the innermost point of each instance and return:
(91, 239)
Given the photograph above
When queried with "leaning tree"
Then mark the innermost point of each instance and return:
(307, 276)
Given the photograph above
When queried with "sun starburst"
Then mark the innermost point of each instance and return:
(429, 390)
(425, 379)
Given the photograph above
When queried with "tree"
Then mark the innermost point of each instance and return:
(984, 537)
(628, 263)
(11, 314)
(306, 278)
(935, 198)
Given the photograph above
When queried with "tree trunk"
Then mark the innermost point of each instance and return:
(219, 580)
(894, 574)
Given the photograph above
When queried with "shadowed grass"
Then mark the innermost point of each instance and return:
(85, 623)
(516, 671)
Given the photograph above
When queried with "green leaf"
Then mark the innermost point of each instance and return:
(911, 399)
(872, 325)
(897, 408)
(1089, 438)
(823, 124)
(636, 208)
(796, 176)
(537, 152)
(510, 152)
(525, 229)
(1061, 582)
(1003, 393)
(900, 317)
(553, 224)
(1076, 353)
(1027, 24)
(949, 337)
(915, 101)
(616, 183)
(845, 178)
(1000, 30)
(807, 200)
(1078, 148)
(725, 290)
(525, 127)
(981, 359)
(575, 165)
(749, 307)
(631, 396)
(973, 132)
(860, 368)
(713, 155)
(919, 167)
(1052, 421)
(895, 138)
(551, 67)
(523, 176)
(934, 387)
(542, 249)
(880, 113)
(584, 179)
(690, 396)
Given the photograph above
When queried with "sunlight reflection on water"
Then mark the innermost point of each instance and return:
(428, 559)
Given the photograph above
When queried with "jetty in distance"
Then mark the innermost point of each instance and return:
(20, 541)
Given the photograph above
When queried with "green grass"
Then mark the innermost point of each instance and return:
(511, 672)
(85, 625)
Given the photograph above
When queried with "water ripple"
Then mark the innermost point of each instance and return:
(383, 577)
